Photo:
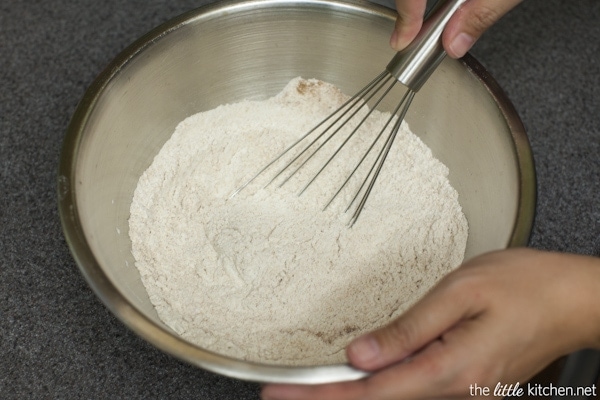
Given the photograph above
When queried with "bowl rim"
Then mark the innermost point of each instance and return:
(160, 337)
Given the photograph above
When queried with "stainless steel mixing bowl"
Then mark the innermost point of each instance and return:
(248, 50)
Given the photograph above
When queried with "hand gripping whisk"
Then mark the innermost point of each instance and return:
(411, 67)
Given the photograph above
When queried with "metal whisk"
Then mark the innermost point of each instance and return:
(411, 67)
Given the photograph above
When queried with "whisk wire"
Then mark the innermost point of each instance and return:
(362, 121)
(363, 158)
(363, 103)
(351, 107)
(354, 99)
(411, 67)
(381, 158)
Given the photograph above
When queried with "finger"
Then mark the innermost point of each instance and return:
(408, 22)
(437, 312)
(406, 380)
(429, 374)
(444, 368)
(468, 24)
(354, 390)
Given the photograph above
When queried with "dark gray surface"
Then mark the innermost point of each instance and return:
(58, 341)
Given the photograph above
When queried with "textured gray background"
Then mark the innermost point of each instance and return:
(58, 341)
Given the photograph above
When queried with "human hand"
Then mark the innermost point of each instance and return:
(501, 317)
(464, 28)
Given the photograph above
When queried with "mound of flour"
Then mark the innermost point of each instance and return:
(266, 275)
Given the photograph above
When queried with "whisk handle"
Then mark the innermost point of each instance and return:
(415, 64)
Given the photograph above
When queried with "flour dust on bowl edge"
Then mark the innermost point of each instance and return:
(203, 59)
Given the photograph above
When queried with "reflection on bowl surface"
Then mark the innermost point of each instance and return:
(249, 50)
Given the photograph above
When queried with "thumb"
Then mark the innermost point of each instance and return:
(468, 24)
(423, 323)
(408, 22)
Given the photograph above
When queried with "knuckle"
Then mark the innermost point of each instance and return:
(461, 284)
(466, 280)
(482, 18)
(436, 368)
(400, 334)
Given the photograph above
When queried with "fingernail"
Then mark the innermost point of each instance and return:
(364, 349)
(461, 44)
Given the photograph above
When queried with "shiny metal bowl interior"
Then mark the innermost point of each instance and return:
(248, 50)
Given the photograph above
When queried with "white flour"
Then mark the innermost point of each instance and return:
(267, 276)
